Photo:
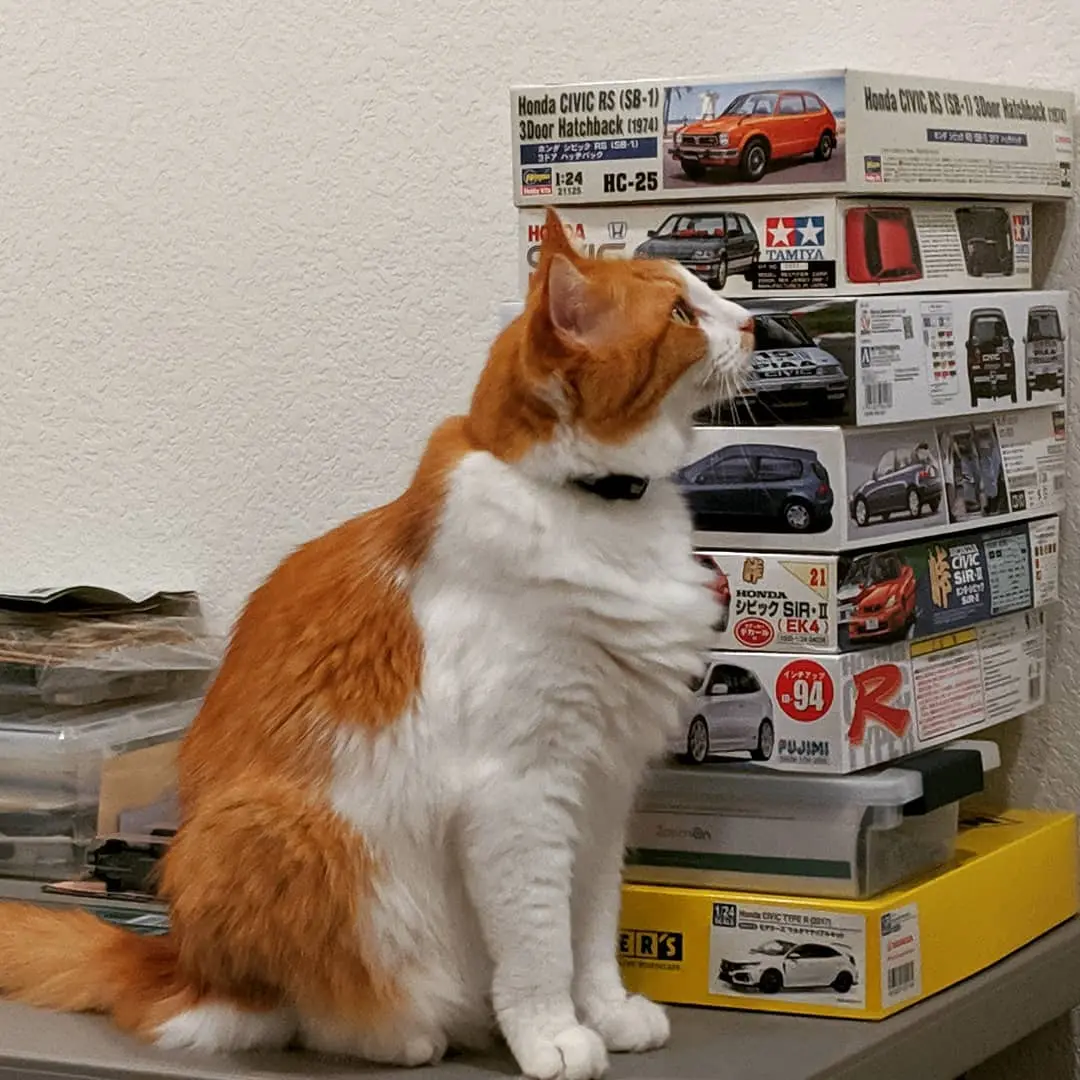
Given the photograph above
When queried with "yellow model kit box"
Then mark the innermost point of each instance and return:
(1013, 879)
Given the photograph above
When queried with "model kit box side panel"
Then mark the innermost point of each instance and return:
(822, 604)
(831, 489)
(845, 712)
(807, 247)
(810, 133)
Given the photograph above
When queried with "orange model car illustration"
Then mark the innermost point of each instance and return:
(877, 598)
(755, 129)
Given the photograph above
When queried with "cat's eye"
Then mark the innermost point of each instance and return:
(682, 312)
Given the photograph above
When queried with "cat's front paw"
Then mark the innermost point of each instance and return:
(575, 1053)
(629, 1025)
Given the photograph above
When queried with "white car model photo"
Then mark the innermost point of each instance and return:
(777, 965)
(731, 712)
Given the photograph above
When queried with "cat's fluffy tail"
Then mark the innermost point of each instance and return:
(73, 962)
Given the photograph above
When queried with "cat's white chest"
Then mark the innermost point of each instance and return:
(554, 616)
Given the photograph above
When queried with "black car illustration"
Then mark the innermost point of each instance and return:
(978, 470)
(710, 245)
(758, 486)
(991, 361)
(903, 482)
(986, 239)
(1044, 350)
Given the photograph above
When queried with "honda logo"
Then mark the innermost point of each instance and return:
(616, 230)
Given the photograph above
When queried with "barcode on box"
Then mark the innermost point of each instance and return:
(878, 395)
(901, 978)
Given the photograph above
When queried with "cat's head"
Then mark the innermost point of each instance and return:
(608, 362)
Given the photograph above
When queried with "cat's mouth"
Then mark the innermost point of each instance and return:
(727, 376)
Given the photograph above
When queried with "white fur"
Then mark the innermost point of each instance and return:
(225, 1027)
(560, 634)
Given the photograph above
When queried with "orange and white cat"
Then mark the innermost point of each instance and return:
(404, 797)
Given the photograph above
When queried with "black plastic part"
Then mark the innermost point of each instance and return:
(948, 776)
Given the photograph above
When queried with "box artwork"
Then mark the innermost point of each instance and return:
(852, 132)
(816, 247)
(885, 360)
(1012, 880)
(829, 489)
(789, 602)
(839, 713)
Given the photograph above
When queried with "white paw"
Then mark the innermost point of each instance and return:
(631, 1025)
(575, 1053)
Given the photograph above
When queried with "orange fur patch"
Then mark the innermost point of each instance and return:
(613, 389)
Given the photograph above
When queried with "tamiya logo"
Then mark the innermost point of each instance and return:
(535, 181)
(797, 239)
(616, 230)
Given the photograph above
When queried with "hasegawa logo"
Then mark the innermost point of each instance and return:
(795, 239)
(535, 181)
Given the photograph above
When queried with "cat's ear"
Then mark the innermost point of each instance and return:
(576, 313)
(554, 240)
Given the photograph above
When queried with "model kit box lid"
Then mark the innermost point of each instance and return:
(721, 137)
(918, 784)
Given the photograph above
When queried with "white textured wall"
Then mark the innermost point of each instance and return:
(249, 252)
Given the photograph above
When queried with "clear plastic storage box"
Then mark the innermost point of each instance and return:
(69, 775)
(736, 826)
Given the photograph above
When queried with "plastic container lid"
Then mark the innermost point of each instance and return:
(919, 784)
(42, 729)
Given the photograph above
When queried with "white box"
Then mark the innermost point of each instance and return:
(845, 712)
(794, 602)
(839, 131)
(739, 827)
(831, 489)
(808, 247)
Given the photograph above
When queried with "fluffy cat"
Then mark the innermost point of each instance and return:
(405, 794)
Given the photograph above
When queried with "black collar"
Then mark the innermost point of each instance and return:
(613, 486)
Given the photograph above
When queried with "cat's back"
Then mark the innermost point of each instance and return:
(328, 639)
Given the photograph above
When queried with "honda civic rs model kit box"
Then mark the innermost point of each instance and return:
(1013, 879)
(841, 713)
(812, 247)
(796, 602)
(841, 132)
(832, 489)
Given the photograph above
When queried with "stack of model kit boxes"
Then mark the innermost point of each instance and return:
(879, 505)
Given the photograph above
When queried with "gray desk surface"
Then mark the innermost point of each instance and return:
(937, 1040)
